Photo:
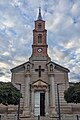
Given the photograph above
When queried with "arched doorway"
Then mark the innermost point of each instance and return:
(40, 98)
(39, 103)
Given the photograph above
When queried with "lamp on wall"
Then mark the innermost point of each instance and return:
(58, 100)
(18, 113)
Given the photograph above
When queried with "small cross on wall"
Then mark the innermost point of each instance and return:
(39, 71)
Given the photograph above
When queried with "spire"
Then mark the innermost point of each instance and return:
(39, 15)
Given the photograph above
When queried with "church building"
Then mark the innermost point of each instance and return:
(42, 81)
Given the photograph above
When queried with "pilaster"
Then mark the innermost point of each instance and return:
(32, 102)
(26, 111)
(47, 102)
(52, 94)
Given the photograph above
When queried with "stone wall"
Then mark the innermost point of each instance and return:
(8, 117)
(63, 117)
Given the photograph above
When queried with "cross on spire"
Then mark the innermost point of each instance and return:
(39, 70)
(39, 15)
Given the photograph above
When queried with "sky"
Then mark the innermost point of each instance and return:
(63, 33)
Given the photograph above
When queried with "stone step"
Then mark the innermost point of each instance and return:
(41, 118)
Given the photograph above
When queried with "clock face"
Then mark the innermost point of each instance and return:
(39, 50)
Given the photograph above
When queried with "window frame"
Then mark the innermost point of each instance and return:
(39, 26)
(39, 38)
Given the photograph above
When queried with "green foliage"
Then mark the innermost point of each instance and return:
(9, 94)
(72, 94)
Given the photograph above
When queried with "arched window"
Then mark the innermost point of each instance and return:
(28, 67)
(39, 26)
(51, 67)
(39, 38)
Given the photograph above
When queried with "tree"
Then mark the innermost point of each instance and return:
(72, 94)
(9, 95)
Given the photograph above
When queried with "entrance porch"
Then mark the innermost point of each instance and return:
(39, 98)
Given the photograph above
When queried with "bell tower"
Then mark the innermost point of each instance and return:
(39, 46)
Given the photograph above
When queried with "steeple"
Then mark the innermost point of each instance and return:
(39, 46)
(39, 15)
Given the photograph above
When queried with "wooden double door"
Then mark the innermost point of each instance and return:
(39, 104)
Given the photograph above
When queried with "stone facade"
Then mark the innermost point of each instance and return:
(39, 78)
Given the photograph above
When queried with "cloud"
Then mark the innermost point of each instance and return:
(17, 22)
(4, 65)
(2, 74)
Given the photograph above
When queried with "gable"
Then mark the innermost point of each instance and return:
(58, 67)
(39, 83)
(21, 67)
